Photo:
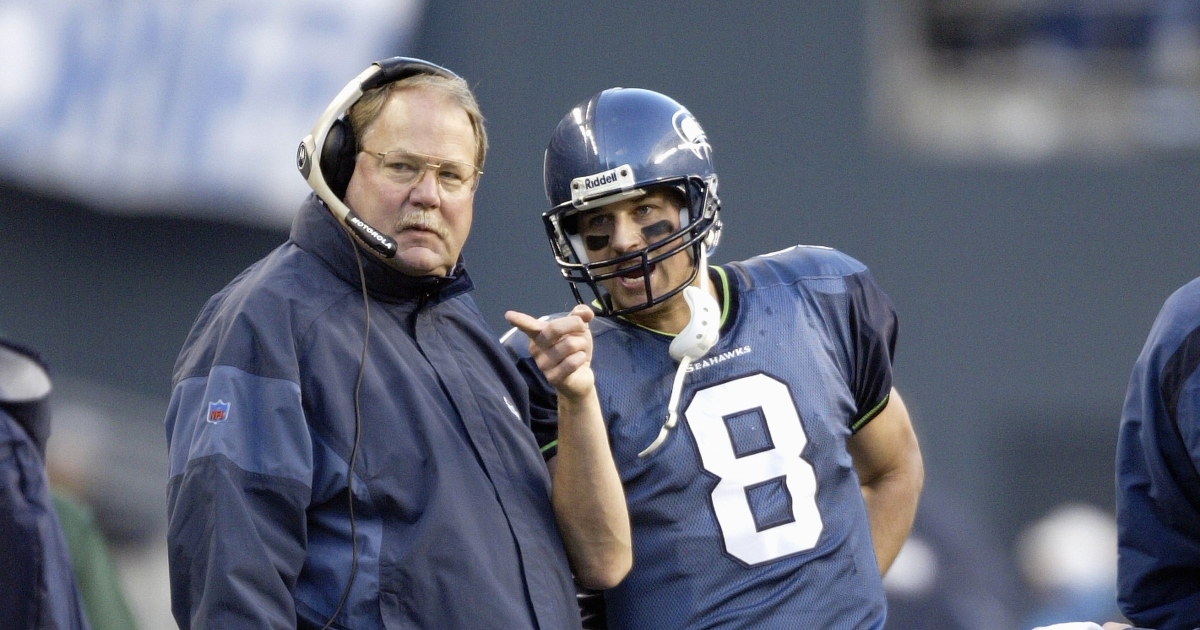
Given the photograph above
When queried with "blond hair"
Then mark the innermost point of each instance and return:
(364, 112)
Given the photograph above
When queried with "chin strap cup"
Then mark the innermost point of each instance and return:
(700, 334)
(692, 343)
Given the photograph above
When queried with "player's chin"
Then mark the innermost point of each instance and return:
(624, 297)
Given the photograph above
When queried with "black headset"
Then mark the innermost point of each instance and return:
(326, 156)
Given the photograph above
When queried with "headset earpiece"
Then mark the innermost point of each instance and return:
(338, 156)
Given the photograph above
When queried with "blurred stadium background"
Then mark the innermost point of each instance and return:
(1022, 176)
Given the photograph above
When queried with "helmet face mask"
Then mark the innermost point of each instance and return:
(622, 144)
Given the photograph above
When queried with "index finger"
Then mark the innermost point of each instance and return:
(527, 324)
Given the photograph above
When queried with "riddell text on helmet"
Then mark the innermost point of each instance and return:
(600, 180)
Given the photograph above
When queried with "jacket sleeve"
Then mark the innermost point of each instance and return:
(543, 401)
(240, 455)
(39, 589)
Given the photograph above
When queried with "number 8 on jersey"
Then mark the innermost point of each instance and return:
(778, 463)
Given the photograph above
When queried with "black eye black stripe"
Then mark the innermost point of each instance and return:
(652, 232)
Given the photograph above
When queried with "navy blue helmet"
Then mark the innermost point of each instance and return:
(614, 146)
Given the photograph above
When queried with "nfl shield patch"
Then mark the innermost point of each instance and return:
(218, 411)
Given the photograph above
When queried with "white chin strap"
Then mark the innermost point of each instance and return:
(693, 342)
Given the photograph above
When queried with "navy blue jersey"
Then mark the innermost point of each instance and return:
(750, 515)
(1158, 486)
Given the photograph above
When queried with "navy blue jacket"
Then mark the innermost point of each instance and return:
(39, 589)
(1158, 473)
(451, 512)
(37, 586)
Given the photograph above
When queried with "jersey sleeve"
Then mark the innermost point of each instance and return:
(873, 329)
(543, 400)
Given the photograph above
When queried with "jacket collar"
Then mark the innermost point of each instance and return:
(318, 232)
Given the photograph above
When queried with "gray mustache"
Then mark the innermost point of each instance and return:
(423, 220)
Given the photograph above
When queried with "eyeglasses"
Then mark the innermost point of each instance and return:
(407, 168)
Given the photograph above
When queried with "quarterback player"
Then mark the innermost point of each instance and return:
(770, 470)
